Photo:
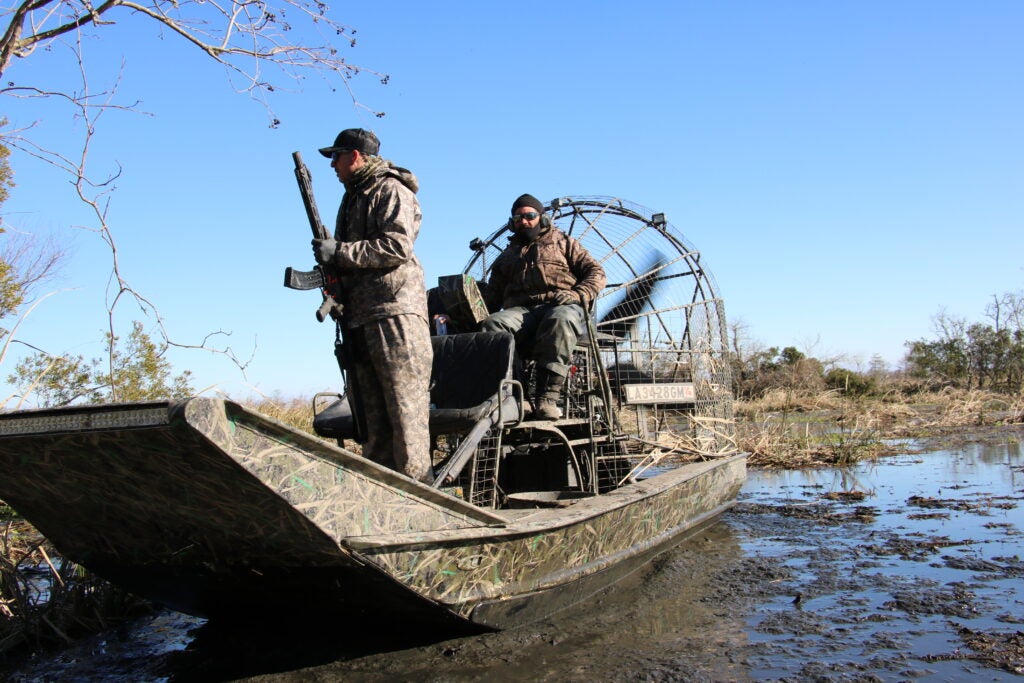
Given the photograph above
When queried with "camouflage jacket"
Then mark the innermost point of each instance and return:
(378, 221)
(528, 273)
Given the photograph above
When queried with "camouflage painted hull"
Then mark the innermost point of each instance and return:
(220, 512)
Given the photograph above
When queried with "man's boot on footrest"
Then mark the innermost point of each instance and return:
(549, 393)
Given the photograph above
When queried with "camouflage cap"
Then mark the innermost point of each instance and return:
(353, 138)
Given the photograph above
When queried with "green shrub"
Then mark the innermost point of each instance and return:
(849, 382)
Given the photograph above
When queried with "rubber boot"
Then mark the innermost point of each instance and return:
(549, 393)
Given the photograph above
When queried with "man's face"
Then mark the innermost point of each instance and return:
(525, 218)
(345, 164)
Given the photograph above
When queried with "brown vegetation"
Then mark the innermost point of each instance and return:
(792, 428)
(789, 428)
(294, 412)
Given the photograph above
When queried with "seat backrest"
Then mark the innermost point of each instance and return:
(469, 367)
(467, 372)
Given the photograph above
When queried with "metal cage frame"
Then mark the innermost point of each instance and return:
(660, 321)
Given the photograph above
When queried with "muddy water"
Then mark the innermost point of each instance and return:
(906, 569)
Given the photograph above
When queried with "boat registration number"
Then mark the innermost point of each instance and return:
(678, 392)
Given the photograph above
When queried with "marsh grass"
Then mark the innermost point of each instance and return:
(786, 428)
(297, 413)
(979, 408)
(789, 429)
(294, 412)
(46, 600)
(774, 442)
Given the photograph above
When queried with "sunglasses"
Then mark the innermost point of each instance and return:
(528, 216)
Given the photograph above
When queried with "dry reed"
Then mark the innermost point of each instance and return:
(46, 600)
(789, 429)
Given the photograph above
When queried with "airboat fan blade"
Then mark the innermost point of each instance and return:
(618, 323)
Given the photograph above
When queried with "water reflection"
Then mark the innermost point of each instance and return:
(997, 467)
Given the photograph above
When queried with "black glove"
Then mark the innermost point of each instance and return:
(565, 297)
(324, 251)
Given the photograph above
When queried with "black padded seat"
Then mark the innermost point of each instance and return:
(335, 421)
(466, 376)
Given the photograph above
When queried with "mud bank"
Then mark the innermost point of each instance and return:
(905, 569)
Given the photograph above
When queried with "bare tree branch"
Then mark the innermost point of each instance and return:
(95, 193)
(261, 43)
(245, 36)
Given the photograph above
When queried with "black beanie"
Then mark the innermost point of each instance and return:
(527, 200)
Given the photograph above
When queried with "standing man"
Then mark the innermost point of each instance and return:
(385, 300)
(543, 280)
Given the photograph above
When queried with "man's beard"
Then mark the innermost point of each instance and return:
(529, 234)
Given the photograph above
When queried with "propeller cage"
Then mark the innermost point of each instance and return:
(661, 330)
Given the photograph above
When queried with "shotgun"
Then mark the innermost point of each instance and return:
(328, 281)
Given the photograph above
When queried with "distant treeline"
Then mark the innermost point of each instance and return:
(963, 355)
(975, 355)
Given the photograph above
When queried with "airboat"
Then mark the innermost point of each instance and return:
(215, 510)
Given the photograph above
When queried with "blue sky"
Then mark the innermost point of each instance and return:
(847, 170)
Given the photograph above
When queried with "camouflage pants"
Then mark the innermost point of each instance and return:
(547, 333)
(394, 384)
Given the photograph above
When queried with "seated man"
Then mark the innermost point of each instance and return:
(542, 281)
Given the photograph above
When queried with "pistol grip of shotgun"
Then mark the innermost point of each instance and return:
(324, 311)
